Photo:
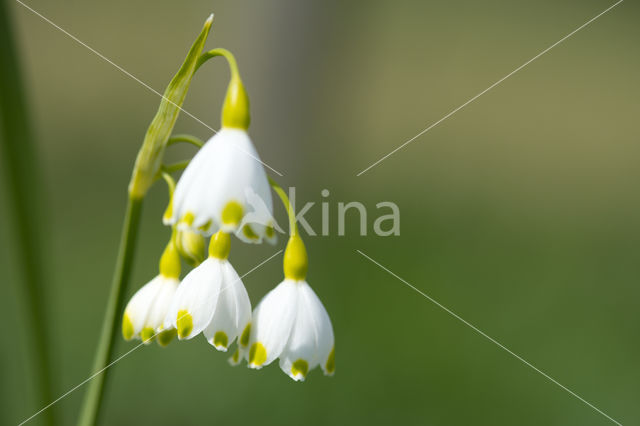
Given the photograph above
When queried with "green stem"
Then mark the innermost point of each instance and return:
(104, 354)
(24, 190)
(233, 65)
(171, 183)
(293, 226)
(170, 168)
(185, 138)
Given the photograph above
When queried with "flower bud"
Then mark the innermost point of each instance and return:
(190, 245)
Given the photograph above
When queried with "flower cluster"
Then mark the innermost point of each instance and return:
(224, 190)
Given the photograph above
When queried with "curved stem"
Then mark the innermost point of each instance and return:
(171, 183)
(24, 194)
(104, 353)
(170, 168)
(186, 139)
(233, 65)
(293, 226)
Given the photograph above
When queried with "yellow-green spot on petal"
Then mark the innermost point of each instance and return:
(257, 354)
(244, 338)
(220, 339)
(300, 367)
(127, 327)
(206, 226)
(247, 231)
(232, 213)
(269, 232)
(330, 366)
(166, 336)
(236, 356)
(188, 218)
(147, 334)
(184, 321)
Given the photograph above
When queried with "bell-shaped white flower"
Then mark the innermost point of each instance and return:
(145, 313)
(211, 299)
(225, 187)
(291, 323)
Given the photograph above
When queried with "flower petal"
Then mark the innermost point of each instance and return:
(135, 314)
(271, 324)
(161, 303)
(233, 311)
(195, 299)
(311, 338)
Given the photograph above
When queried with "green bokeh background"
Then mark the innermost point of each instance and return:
(521, 213)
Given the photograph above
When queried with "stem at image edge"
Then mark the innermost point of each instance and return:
(24, 189)
(90, 410)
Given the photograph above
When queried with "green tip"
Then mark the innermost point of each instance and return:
(184, 323)
(166, 336)
(127, 327)
(257, 354)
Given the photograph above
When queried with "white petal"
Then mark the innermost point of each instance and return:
(311, 338)
(187, 196)
(271, 324)
(233, 311)
(195, 300)
(140, 304)
(224, 170)
(161, 303)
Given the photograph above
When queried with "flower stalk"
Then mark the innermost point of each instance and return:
(104, 353)
(147, 167)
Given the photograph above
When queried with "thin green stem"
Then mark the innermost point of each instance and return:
(175, 167)
(186, 139)
(24, 185)
(233, 65)
(293, 226)
(104, 354)
(171, 183)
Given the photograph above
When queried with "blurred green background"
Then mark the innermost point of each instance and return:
(521, 212)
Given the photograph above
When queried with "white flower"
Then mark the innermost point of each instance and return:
(220, 188)
(145, 312)
(211, 299)
(291, 323)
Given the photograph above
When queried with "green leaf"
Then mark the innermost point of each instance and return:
(150, 155)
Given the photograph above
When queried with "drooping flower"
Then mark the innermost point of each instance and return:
(145, 313)
(211, 299)
(291, 323)
(225, 187)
